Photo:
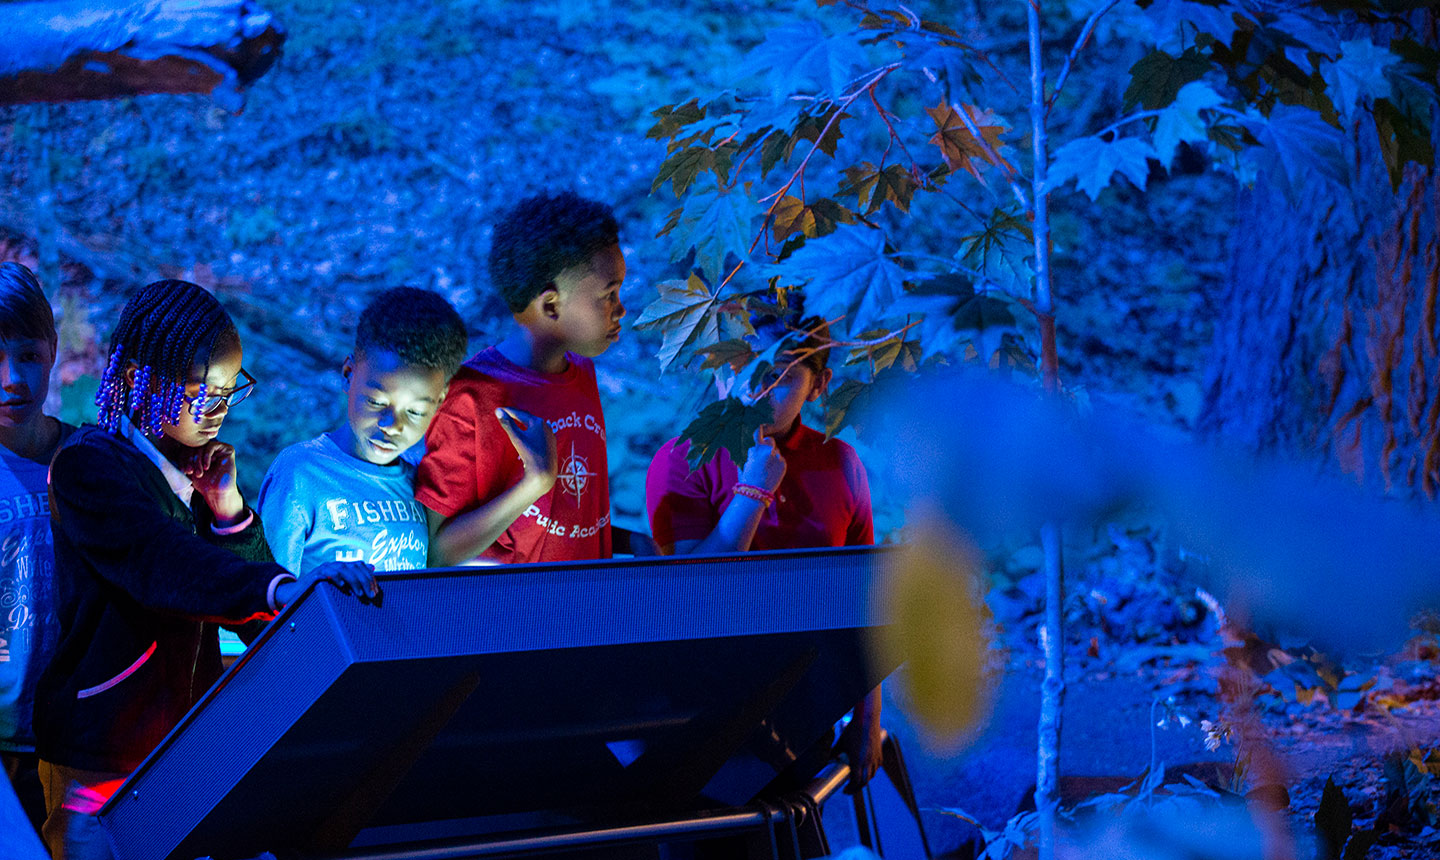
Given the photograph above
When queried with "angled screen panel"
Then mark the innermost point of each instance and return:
(487, 700)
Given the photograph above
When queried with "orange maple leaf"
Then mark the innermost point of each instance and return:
(959, 146)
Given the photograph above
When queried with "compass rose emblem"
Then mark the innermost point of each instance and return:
(575, 475)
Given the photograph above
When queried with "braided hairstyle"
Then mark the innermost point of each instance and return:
(165, 329)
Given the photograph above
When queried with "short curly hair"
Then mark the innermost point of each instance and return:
(417, 325)
(543, 236)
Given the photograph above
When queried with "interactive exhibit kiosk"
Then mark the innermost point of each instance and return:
(630, 708)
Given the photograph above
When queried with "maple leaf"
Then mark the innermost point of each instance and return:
(729, 424)
(1181, 121)
(716, 223)
(847, 274)
(734, 352)
(1297, 146)
(670, 119)
(811, 220)
(886, 354)
(874, 186)
(1093, 161)
(792, 216)
(682, 167)
(1001, 251)
(1358, 76)
(959, 146)
(1176, 23)
(684, 313)
(802, 58)
(843, 403)
(1156, 78)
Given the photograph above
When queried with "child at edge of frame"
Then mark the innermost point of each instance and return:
(515, 468)
(154, 546)
(348, 494)
(795, 489)
(28, 439)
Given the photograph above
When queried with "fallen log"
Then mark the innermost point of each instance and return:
(76, 50)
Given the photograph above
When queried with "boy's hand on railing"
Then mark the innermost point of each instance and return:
(764, 466)
(351, 577)
(535, 442)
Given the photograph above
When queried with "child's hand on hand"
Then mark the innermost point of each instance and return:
(211, 470)
(764, 467)
(535, 442)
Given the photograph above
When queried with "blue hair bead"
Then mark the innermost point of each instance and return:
(198, 407)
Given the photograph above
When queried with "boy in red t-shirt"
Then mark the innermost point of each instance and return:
(515, 469)
(797, 489)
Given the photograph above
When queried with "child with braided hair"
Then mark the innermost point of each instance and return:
(154, 546)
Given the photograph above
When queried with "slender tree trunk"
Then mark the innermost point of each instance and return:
(1052, 690)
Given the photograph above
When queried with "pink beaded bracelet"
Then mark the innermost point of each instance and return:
(751, 491)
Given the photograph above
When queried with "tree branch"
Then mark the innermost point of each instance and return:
(1080, 42)
(1126, 120)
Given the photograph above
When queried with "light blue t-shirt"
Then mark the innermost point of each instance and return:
(319, 503)
(29, 628)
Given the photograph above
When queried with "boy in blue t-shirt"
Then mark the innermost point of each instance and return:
(28, 438)
(347, 495)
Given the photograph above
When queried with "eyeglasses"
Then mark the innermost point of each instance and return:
(213, 401)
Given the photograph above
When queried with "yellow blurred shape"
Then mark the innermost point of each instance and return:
(938, 627)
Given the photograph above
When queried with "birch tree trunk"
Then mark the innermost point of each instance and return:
(1052, 689)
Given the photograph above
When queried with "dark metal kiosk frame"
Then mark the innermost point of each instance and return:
(597, 710)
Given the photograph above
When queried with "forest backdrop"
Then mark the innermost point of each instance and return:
(380, 147)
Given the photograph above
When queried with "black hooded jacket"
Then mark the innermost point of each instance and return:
(141, 582)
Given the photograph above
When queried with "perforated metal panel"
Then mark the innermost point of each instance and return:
(484, 700)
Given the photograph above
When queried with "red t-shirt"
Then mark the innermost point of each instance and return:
(469, 460)
(823, 500)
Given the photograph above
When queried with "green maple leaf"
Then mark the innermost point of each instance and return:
(716, 223)
(842, 404)
(1092, 162)
(873, 187)
(682, 167)
(1358, 76)
(1156, 79)
(1181, 121)
(1001, 252)
(982, 312)
(847, 274)
(729, 424)
(860, 180)
(670, 119)
(685, 315)
(802, 58)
